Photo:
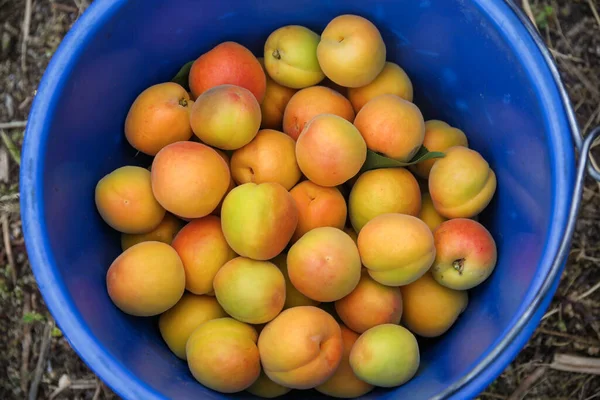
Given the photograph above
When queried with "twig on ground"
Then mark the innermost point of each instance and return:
(10, 146)
(588, 292)
(529, 12)
(558, 54)
(594, 396)
(39, 368)
(571, 363)
(13, 124)
(4, 166)
(24, 103)
(26, 348)
(64, 7)
(8, 248)
(569, 336)
(594, 11)
(98, 390)
(26, 26)
(493, 395)
(9, 197)
(527, 384)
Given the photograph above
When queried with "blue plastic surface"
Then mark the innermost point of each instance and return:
(472, 63)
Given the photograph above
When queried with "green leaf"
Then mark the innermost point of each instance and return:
(56, 332)
(182, 76)
(30, 317)
(376, 160)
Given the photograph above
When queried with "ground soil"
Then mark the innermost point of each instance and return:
(571, 29)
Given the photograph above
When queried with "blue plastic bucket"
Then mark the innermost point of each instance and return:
(475, 64)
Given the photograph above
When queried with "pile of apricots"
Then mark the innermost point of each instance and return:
(275, 254)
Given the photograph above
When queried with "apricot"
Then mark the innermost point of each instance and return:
(159, 116)
(439, 136)
(291, 57)
(250, 291)
(330, 150)
(391, 126)
(258, 220)
(462, 183)
(391, 80)
(310, 102)
(293, 297)
(203, 250)
(269, 157)
(177, 323)
(222, 355)
(397, 249)
(147, 279)
(386, 355)
(383, 191)
(370, 304)
(226, 116)
(266, 388)
(125, 201)
(301, 348)
(351, 52)
(324, 264)
(466, 254)
(429, 214)
(273, 105)
(164, 232)
(228, 63)
(430, 309)
(318, 206)
(344, 383)
(189, 179)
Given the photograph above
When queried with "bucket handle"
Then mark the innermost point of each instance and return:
(555, 268)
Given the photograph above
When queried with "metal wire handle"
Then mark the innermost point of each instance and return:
(553, 273)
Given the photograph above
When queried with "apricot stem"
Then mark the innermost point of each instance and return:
(459, 265)
(276, 54)
(183, 102)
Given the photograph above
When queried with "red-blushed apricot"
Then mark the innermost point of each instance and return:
(125, 201)
(351, 52)
(429, 214)
(164, 232)
(276, 99)
(439, 136)
(293, 297)
(330, 150)
(250, 291)
(226, 116)
(318, 206)
(269, 157)
(431, 309)
(310, 102)
(386, 355)
(391, 261)
(258, 220)
(222, 355)
(228, 63)
(203, 250)
(189, 179)
(391, 80)
(159, 116)
(324, 264)
(266, 388)
(301, 348)
(370, 304)
(461, 183)
(147, 279)
(391, 126)
(344, 383)
(383, 191)
(466, 254)
(177, 323)
(291, 57)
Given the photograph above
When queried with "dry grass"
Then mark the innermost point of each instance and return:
(34, 358)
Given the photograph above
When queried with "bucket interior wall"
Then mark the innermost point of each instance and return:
(465, 71)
